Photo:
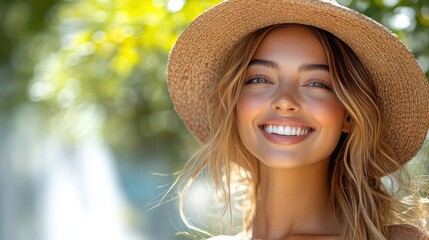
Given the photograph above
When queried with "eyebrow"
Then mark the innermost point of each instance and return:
(311, 67)
(302, 67)
(263, 62)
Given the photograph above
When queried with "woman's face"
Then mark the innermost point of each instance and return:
(287, 113)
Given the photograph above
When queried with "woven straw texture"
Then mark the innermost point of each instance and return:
(199, 55)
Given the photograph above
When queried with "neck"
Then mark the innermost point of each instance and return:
(294, 202)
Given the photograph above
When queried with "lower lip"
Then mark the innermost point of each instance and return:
(284, 140)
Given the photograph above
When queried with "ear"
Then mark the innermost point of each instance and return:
(347, 123)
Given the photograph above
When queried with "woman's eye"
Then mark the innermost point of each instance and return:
(257, 80)
(318, 85)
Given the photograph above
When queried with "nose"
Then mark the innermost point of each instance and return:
(286, 102)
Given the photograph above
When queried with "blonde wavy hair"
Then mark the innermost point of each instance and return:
(358, 191)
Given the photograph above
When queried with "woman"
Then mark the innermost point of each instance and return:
(308, 105)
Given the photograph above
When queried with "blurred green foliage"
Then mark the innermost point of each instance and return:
(104, 61)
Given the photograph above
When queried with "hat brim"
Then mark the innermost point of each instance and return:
(198, 57)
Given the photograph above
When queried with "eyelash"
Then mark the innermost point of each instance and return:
(322, 84)
(254, 78)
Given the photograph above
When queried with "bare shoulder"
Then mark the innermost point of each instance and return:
(405, 231)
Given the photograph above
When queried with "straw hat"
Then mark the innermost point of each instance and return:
(199, 55)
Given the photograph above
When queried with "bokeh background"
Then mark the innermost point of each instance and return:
(89, 140)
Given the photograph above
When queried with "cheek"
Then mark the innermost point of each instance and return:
(328, 111)
(246, 109)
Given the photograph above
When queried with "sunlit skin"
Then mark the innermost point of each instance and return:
(288, 84)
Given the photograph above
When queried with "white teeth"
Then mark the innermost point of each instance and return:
(285, 130)
(288, 131)
(281, 130)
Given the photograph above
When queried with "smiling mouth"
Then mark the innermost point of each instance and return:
(287, 130)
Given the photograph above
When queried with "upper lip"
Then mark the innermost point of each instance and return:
(292, 122)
